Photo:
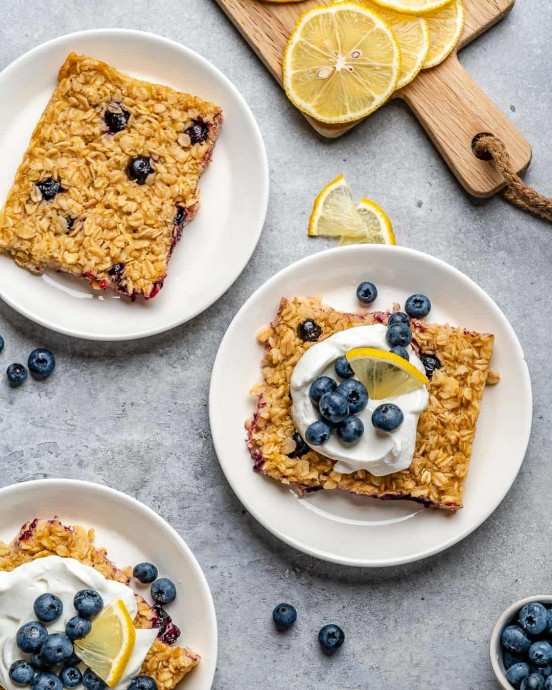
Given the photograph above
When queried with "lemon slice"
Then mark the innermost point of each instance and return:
(108, 646)
(341, 63)
(377, 226)
(384, 374)
(412, 6)
(445, 28)
(334, 213)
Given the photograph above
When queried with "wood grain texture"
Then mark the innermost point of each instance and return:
(448, 103)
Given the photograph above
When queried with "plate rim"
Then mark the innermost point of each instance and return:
(263, 182)
(524, 429)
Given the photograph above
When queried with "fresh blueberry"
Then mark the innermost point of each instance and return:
(417, 306)
(17, 374)
(515, 640)
(56, 649)
(70, 676)
(540, 653)
(139, 169)
(88, 603)
(40, 663)
(401, 352)
(301, 447)
(533, 682)
(334, 407)
(431, 363)
(355, 394)
(42, 363)
(143, 682)
(387, 417)
(30, 637)
(309, 331)
(533, 618)
(91, 681)
(350, 430)
(77, 627)
(163, 591)
(284, 616)
(145, 572)
(1, 343)
(321, 386)
(48, 607)
(49, 188)
(331, 637)
(116, 117)
(398, 317)
(549, 622)
(318, 433)
(73, 660)
(22, 672)
(510, 659)
(398, 334)
(47, 681)
(198, 131)
(367, 293)
(343, 368)
(517, 673)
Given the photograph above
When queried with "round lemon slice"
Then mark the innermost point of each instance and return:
(384, 374)
(445, 28)
(108, 646)
(412, 6)
(341, 63)
(334, 213)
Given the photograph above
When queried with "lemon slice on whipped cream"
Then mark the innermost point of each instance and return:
(385, 374)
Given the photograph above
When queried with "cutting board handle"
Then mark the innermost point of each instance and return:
(453, 110)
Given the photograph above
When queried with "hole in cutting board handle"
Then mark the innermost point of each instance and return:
(486, 156)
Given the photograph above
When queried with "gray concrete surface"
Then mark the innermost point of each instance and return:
(129, 415)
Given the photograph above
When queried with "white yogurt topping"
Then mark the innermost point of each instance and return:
(378, 452)
(64, 577)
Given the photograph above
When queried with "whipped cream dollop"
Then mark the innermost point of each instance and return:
(64, 577)
(378, 452)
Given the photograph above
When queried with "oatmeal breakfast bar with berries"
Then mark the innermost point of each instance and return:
(109, 179)
(457, 362)
(40, 538)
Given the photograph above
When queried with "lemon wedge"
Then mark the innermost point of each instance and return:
(378, 226)
(412, 6)
(341, 62)
(334, 213)
(108, 646)
(384, 374)
(445, 28)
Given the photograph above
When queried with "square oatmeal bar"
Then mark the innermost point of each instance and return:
(109, 179)
(458, 362)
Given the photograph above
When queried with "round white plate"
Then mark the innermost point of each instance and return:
(336, 526)
(132, 533)
(215, 247)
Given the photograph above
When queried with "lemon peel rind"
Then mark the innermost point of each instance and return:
(390, 5)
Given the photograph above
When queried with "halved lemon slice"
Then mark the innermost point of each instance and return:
(412, 6)
(384, 374)
(341, 62)
(445, 28)
(377, 226)
(108, 646)
(334, 213)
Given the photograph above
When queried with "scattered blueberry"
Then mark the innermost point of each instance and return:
(540, 653)
(88, 603)
(139, 169)
(398, 317)
(40, 663)
(30, 637)
(387, 417)
(301, 447)
(47, 681)
(367, 293)
(517, 673)
(533, 618)
(198, 131)
(73, 660)
(77, 627)
(91, 681)
(355, 394)
(343, 368)
(145, 572)
(334, 407)
(309, 331)
(318, 433)
(70, 676)
(48, 607)
(116, 117)
(350, 430)
(49, 188)
(510, 659)
(284, 616)
(331, 637)
(56, 649)
(143, 682)
(515, 640)
(163, 591)
(417, 306)
(430, 363)
(321, 386)
(533, 682)
(22, 672)
(42, 363)
(401, 352)
(1, 343)
(398, 334)
(17, 374)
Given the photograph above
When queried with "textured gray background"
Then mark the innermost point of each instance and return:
(129, 415)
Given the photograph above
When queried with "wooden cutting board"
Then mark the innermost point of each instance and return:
(448, 103)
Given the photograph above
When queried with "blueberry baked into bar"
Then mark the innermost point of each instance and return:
(109, 179)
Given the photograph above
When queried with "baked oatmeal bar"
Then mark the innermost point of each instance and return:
(109, 179)
(446, 429)
(41, 538)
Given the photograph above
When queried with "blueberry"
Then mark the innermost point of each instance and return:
(322, 385)
(198, 131)
(47, 681)
(73, 660)
(284, 616)
(30, 637)
(143, 682)
(318, 433)
(40, 663)
(367, 293)
(309, 331)
(56, 649)
(510, 659)
(350, 430)
(355, 394)
(533, 682)
(77, 627)
(430, 363)
(88, 603)
(22, 672)
(41, 363)
(343, 368)
(331, 637)
(116, 272)
(139, 169)
(417, 306)
(180, 217)
(540, 653)
(334, 407)
(49, 188)
(301, 447)
(116, 117)
(145, 572)
(548, 683)
(398, 317)
(401, 352)
(398, 334)
(91, 681)
(163, 591)
(546, 671)
(518, 672)
(71, 677)
(533, 618)
(48, 607)
(69, 222)
(515, 640)
(387, 417)
(1, 343)
(17, 374)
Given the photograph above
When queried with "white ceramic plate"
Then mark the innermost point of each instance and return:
(132, 533)
(333, 525)
(215, 247)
